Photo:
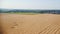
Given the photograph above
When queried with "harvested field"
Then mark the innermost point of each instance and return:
(30, 24)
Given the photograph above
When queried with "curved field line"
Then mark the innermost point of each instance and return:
(58, 28)
(44, 29)
(53, 29)
(49, 28)
(58, 32)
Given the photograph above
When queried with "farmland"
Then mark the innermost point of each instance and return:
(30, 24)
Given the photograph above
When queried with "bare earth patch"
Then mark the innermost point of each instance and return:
(30, 24)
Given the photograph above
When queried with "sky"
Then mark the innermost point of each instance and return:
(30, 4)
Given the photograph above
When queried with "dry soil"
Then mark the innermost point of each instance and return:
(30, 24)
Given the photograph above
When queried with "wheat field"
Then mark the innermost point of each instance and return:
(30, 24)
